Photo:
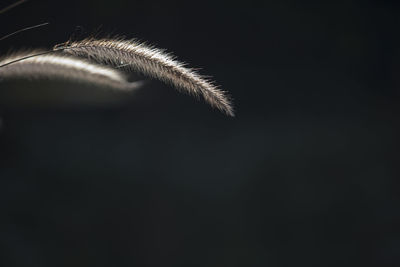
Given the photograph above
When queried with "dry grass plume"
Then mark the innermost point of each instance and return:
(65, 67)
(150, 61)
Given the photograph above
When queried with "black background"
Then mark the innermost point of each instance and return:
(306, 174)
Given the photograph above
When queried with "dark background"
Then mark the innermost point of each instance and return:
(306, 174)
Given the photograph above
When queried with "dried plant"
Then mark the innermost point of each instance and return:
(65, 61)
(62, 67)
(136, 56)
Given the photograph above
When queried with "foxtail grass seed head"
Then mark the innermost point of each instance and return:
(65, 67)
(155, 63)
